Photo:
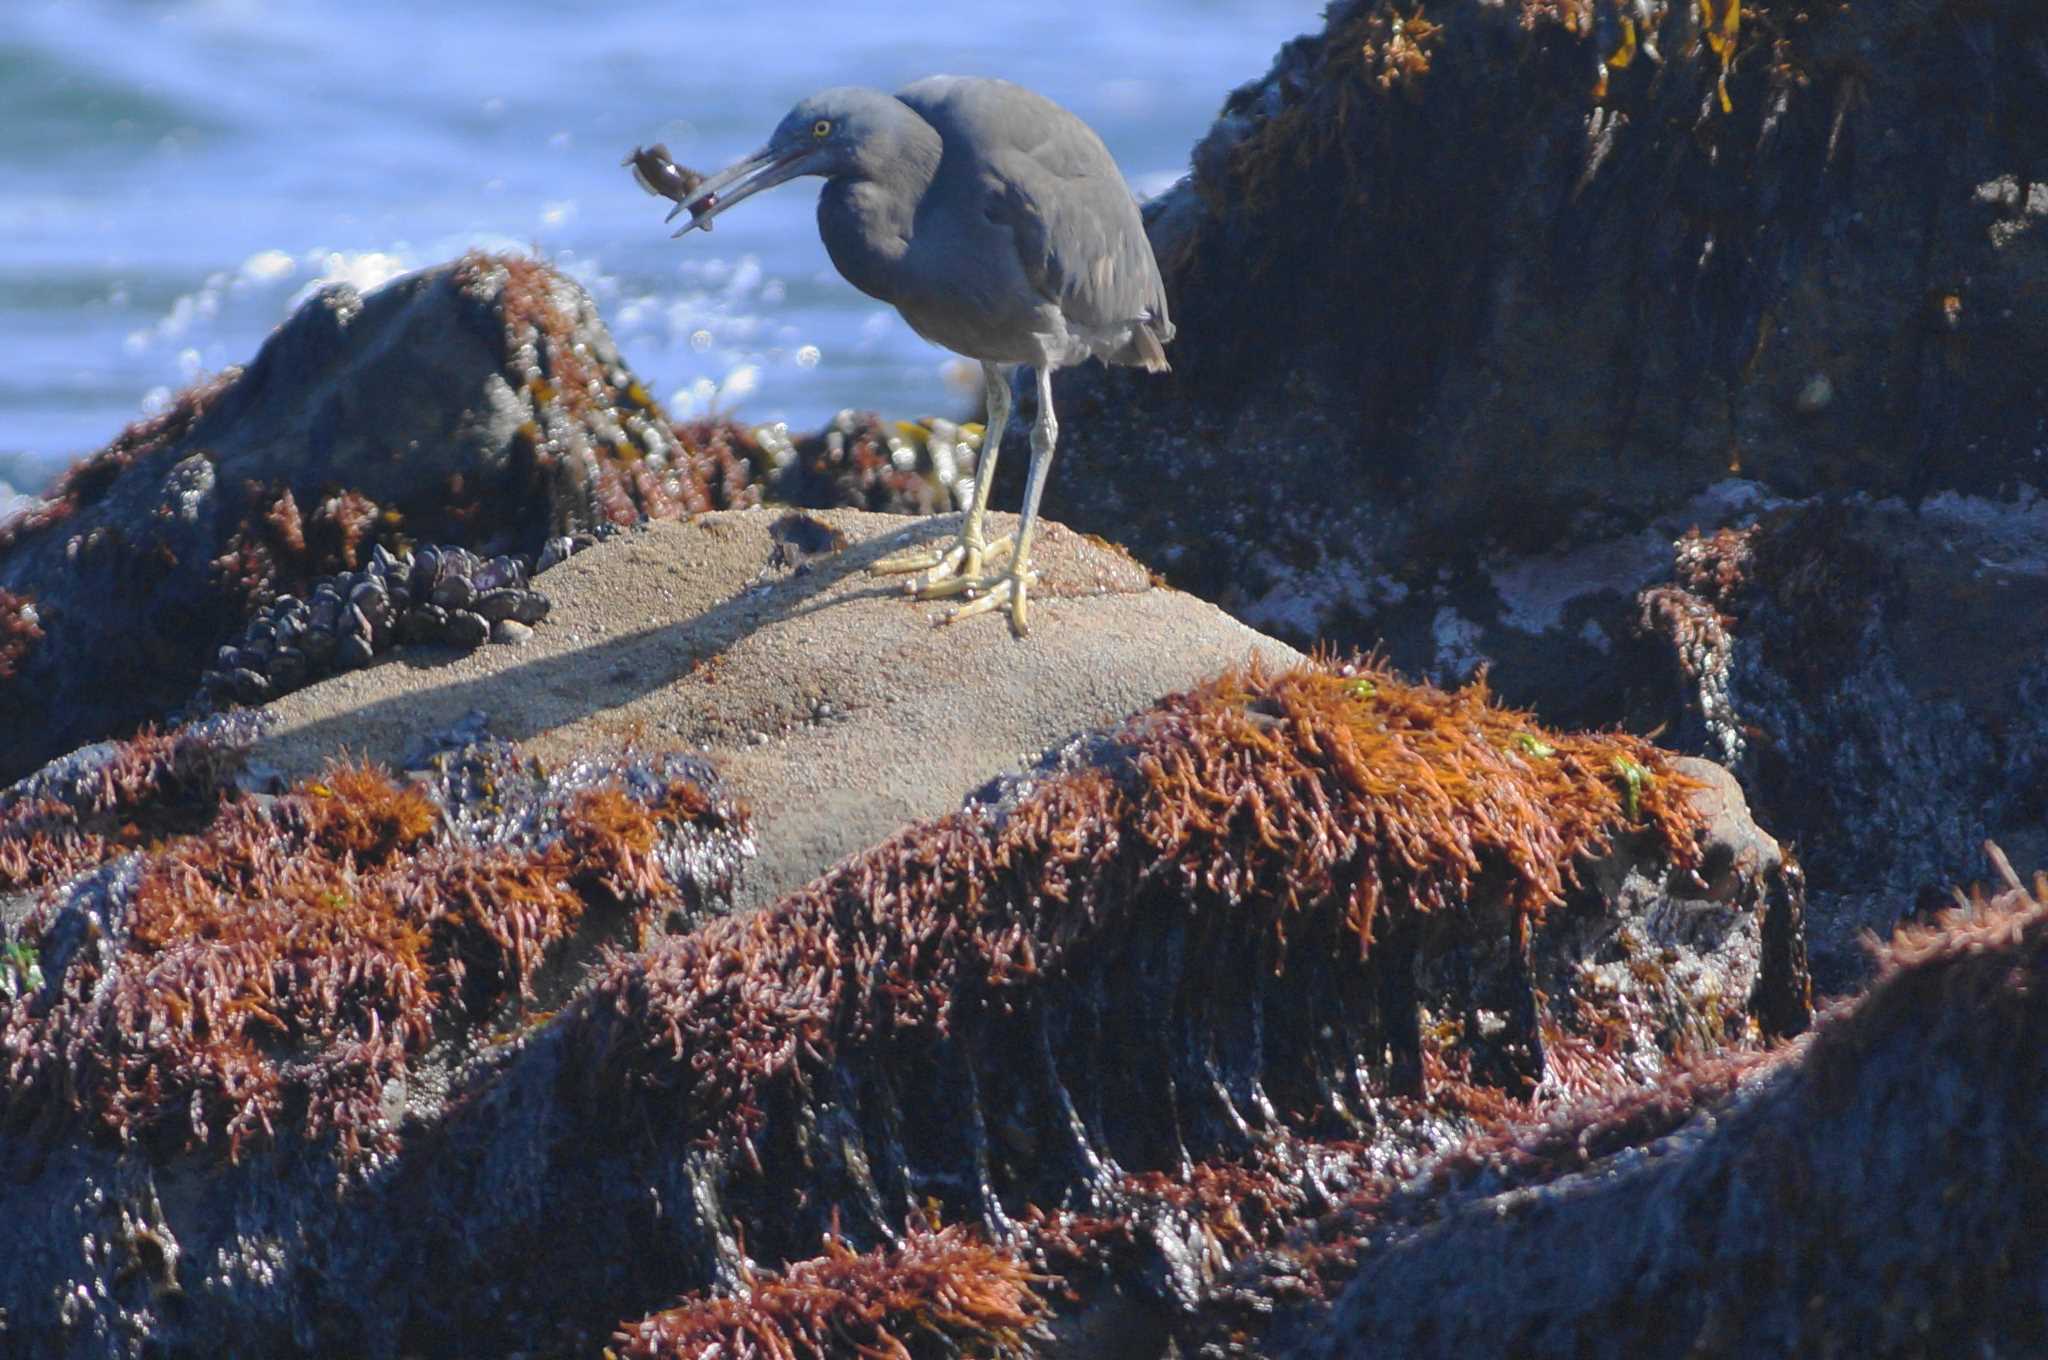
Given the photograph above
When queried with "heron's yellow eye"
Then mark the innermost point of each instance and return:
(822, 128)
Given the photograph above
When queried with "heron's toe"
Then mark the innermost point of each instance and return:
(936, 587)
(1013, 590)
(964, 569)
(919, 559)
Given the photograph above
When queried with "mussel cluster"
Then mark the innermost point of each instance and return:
(439, 594)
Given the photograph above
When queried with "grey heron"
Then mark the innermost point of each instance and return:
(998, 224)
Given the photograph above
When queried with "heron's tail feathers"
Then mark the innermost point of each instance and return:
(1146, 351)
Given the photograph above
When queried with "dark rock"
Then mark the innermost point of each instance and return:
(1874, 675)
(352, 653)
(1878, 1187)
(466, 629)
(1466, 295)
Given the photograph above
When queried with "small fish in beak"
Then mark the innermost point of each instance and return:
(656, 172)
(743, 179)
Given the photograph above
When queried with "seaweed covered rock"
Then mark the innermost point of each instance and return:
(210, 1035)
(1284, 921)
(1875, 1189)
(1873, 673)
(284, 963)
(1189, 980)
(481, 404)
(81, 810)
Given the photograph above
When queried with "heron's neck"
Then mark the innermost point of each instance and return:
(868, 214)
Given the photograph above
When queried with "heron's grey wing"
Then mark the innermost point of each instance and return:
(1046, 176)
(1082, 243)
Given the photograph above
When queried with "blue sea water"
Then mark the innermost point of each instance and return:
(176, 174)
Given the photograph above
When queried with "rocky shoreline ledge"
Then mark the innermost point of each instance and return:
(484, 871)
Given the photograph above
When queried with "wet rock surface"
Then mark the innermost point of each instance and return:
(1145, 1010)
(1872, 672)
(1840, 1193)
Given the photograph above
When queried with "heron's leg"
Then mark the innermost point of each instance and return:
(997, 385)
(1013, 587)
(958, 569)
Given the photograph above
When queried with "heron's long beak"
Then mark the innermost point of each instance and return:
(742, 179)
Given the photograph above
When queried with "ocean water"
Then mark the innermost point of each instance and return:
(176, 174)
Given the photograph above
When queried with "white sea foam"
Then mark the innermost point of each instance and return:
(738, 385)
(258, 281)
(362, 270)
(266, 266)
(692, 400)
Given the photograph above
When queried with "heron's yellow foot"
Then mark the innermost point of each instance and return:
(1012, 589)
(959, 570)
